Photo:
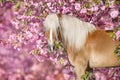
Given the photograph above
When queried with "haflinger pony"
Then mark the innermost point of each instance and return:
(86, 45)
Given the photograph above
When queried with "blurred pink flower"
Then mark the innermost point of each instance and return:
(117, 35)
(29, 77)
(114, 13)
(84, 10)
(102, 7)
(94, 8)
(71, 0)
(109, 26)
(1, 72)
(15, 76)
(65, 10)
(99, 76)
(49, 4)
(77, 6)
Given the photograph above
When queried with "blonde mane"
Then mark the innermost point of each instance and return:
(74, 30)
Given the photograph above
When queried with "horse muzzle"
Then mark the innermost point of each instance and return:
(51, 48)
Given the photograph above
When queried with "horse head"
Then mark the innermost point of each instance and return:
(51, 25)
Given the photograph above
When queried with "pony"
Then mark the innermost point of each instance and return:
(86, 44)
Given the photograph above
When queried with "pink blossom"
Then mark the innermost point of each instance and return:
(109, 26)
(77, 6)
(94, 8)
(65, 10)
(29, 77)
(1, 72)
(99, 76)
(114, 13)
(102, 7)
(14, 77)
(84, 10)
(72, 0)
(117, 35)
(49, 4)
(29, 34)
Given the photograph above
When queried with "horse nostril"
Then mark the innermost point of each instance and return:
(53, 47)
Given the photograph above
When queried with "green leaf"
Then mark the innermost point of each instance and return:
(97, 1)
(29, 12)
(57, 44)
(117, 49)
(0, 1)
(112, 34)
(17, 6)
(106, 3)
(117, 2)
(86, 5)
(87, 75)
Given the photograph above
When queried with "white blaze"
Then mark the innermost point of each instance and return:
(51, 40)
